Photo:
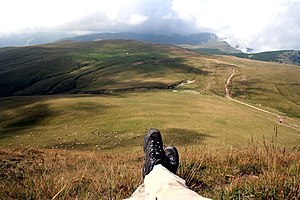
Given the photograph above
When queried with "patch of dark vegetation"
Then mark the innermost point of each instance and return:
(86, 105)
(152, 86)
(30, 116)
(25, 117)
(177, 136)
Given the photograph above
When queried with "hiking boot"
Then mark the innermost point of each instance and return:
(173, 158)
(154, 153)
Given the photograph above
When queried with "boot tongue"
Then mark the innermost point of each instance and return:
(159, 161)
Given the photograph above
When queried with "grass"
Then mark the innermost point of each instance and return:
(260, 170)
(256, 82)
(83, 145)
(114, 121)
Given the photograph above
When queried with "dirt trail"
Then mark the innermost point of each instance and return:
(229, 96)
(228, 84)
(280, 118)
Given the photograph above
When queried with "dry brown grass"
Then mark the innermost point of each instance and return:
(255, 172)
(60, 174)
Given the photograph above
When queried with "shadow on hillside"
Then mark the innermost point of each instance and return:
(24, 118)
(22, 115)
(250, 88)
(223, 65)
(172, 136)
(133, 86)
(62, 82)
(163, 69)
(30, 116)
(178, 136)
(112, 140)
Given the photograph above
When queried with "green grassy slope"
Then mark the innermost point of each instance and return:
(282, 56)
(269, 84)
(110, 121)
(23, 67)
(106, 66)
(91, 67)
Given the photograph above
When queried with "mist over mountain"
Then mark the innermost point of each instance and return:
(42, 37)
(174, 39)
(27, 38)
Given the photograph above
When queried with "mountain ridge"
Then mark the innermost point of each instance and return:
(174, 39)
(204, 42)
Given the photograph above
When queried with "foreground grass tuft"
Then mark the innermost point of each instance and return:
(46, 174)
(256, 172)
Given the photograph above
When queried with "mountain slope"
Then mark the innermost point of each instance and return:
(118, 66)
(201, 42)
(205, 41)
(282, 56)
(90, 67)
(213, 47)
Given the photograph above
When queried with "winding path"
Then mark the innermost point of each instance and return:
(228, 83)
(228, 95)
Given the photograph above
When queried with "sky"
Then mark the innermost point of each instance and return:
(259, 24)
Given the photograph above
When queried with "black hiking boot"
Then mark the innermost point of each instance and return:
(154, 153)
(173, 158)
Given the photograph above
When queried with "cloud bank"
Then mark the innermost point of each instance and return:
(262, 25)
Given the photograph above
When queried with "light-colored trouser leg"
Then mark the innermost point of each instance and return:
(161, 184)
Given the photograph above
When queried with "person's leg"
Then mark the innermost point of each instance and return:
(162, 184)
(159, 181)
(139, 193)
(154, 152)
(154, 155)
(173, 159)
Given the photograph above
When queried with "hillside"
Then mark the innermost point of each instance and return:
(118, 65)
(170, 80)
(92, 67)
(167, 78)
(204, 42)
(107, 122)
(213, 47)
(283, 56)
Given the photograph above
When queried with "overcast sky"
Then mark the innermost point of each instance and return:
(259, 24)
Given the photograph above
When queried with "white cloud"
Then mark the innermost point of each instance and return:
(242, 21)
(137, 19)
(16, 15)
(263, 25)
